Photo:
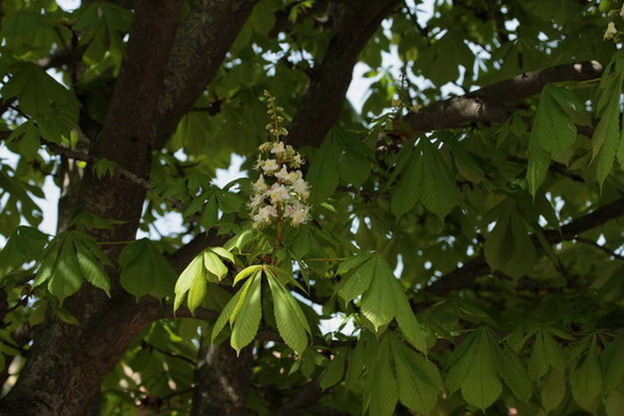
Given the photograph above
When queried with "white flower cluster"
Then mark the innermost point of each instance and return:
(612, 32)
(279, 192)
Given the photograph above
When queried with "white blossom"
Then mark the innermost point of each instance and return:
(283, 174)
(301, 187)
(278, 193)
(270, 166)
(278, 148)
(260, 185)
(298, 213)
(622, 12)
(611, 31)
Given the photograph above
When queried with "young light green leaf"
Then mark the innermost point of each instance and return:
(226, 313)
(195, 274)
(214, 265)
(246, 272)
(248, 319)
(288, 317)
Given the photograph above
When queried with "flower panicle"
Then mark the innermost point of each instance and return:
(280, 193)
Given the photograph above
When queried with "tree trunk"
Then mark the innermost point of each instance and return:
(222, 382)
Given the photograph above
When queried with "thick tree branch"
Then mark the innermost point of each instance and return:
(488, 103)
(355, 22)
(200, 46)
(464, 276)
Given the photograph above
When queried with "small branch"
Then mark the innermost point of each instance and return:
(463, 277)
(488, 103)
(151, 347)
(599, 247)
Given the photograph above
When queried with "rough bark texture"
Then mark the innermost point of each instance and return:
(487, 104)
(321, 108)
(223, 381)
(67, 362)
(197, 54)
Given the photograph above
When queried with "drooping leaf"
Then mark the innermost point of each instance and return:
(144, 270)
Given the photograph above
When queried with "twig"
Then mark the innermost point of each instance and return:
(152, 347)
(599, 247)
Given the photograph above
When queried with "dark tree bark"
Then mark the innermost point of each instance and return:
(67, 362)
(223, 380)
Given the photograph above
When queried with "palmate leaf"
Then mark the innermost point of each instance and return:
(378, 304)
(71, 258)
(248, 320)
(419, 380)
(195, 274)
(382, 297)
(206, 267)
(427, 179)
(323, 174)
(553, 390)
(291, 322)
(508, 247)
(24, 245)
(334, 371)
(546, 353)
(38, 92)
(144, 270)
(586, 379)
(381, 394)
(473, 370)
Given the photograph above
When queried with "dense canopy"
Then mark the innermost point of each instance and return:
(450, 244)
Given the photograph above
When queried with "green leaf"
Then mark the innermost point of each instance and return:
(246, 272)
(553, 390)
(226, 313)
(378, 303)
(248, 319)
(419, 380)
(586, 380)
(473, 369)
(214, 265)
(323, 172)
(289, 318)
(382, 389)
(513, 372)
(24, 245)
(553, 129)
(193, 278)
(409, 191)
(546, 353)
(508, 247)
(223, 253)
(334, 371)
(439, 192)
(66, 278)
(409, 325)
(605, 139)
(539, 161)
(144, 270)
(39, 94)
(614, 402)
(613, 364)
(358, 282)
